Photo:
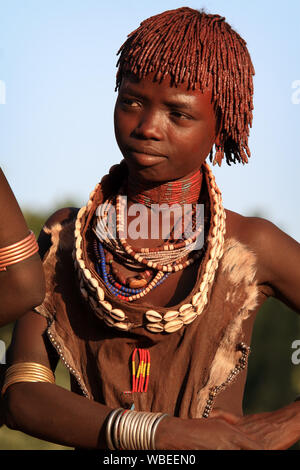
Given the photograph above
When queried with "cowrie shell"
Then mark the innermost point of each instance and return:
(109, 321)
(93, 283)
(100, 293)
(196, 298)
(153, 316)
(81, 264)
(117, 314)
(77, 232)
(184, 309)
(174, 325)
(81, 212)
(106, 305)
(121, 326)
(202, 286)
(189, 317)
(155, 327)
(202, 304)
(209, 265)
(171, 315)
(87, 274)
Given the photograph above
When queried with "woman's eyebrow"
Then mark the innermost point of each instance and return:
(178, 103)
(181, 102)
(131, 91)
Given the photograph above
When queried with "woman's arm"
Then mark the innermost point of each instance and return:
(278, 267)
(52, 413)
(22, 284)
(45, 410)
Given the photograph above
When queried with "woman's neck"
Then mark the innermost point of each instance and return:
(185, 190)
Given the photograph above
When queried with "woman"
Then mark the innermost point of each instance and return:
(153, 328)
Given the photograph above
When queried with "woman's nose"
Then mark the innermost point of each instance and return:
(150, 126)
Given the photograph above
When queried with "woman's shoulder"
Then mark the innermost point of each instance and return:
(277, 254)
(59, 218)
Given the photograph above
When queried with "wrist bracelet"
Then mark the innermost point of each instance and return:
(132, 430)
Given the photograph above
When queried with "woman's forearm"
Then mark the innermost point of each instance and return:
(54, 414)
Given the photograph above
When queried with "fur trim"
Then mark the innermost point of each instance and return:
(61, 237)
(239, 264)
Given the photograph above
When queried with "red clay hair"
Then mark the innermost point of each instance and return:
(202, 50)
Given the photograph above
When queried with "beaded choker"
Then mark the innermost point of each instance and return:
(92, 286)
(183, 191)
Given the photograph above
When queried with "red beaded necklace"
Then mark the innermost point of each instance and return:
(183, 191)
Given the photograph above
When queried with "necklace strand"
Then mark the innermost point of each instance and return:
(91, 285)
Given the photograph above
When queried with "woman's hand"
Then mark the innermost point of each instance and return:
(276, 430)
(203, 434)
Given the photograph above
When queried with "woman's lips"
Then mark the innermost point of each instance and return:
(144, 158)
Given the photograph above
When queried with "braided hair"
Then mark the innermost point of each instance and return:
(201, 50)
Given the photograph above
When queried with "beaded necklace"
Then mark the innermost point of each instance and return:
(92, 285)
(122, 292)
(169, 255)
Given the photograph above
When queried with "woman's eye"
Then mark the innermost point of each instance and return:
(179, 115)
(130, 102)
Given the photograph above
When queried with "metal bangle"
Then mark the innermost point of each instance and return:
(136, 432)
(108, 428)
(115, 431)
(125, 437)
(147, 430)
(121, 426)
(154, 429)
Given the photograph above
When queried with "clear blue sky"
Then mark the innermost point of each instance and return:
(57, 60)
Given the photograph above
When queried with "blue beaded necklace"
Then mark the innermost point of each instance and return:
(120, 291)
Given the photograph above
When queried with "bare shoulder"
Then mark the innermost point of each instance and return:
(277, 254)
(253, 231)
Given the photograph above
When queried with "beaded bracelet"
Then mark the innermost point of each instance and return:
(132, 430)
(18, 251)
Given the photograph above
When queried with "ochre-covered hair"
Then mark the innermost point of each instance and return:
(200, 49)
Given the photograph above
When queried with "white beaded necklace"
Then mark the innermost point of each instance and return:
(156, 322)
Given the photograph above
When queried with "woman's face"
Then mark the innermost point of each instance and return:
(164, 132)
